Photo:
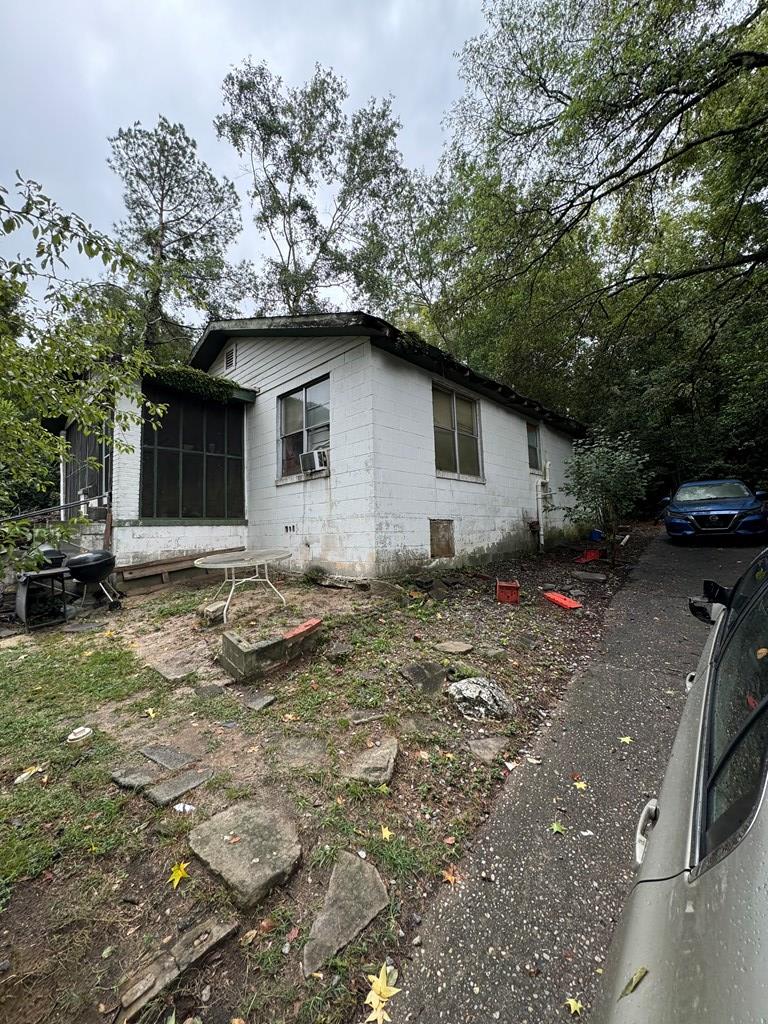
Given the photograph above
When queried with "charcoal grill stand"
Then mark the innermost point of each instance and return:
(43, 579)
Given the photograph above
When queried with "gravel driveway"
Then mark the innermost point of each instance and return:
(529, 924)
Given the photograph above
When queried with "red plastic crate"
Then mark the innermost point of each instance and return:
(590, 555)
(508, 591)
(561, 600)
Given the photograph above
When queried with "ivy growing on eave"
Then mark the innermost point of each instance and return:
(191, 381)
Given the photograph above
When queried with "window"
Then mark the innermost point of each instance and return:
(738, 737)
(457, 435)
(534, 446)
(192, 465)
(305, 423)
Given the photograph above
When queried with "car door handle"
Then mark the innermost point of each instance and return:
(647, 820)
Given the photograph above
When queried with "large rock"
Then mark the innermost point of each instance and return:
(375, 765)
(356, 894)
(480, 698)
(427, 675)
(264, 855)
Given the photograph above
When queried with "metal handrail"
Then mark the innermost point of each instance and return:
(37, 513)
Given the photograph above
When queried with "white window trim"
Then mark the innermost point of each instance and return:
(444, 474)
(294, 478)
(539, 449)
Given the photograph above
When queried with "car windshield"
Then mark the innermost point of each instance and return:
(712, 492)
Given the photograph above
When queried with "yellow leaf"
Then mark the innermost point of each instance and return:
(380, 985)
(633, 982)
(450, 875)
(378, 1014)
(626, 739)
(557, 828)
(87, 654)
(386, 835)
(150, 713)
(761, 652)
(574, 1005)
(580, 784)
(178, 871)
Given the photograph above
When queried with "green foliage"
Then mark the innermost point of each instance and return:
(606, 477)
(306, 156)
(180, 220)
(191, 381)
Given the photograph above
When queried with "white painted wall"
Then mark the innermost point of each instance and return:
(489, 516)
(325, 520)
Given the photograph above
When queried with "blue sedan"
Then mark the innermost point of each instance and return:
(711, 508)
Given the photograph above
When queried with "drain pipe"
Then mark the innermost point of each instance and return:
(541, 482)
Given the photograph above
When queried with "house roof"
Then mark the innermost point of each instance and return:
(386, 337)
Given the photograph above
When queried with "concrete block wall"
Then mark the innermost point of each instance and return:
(326, 520)
(489, 516)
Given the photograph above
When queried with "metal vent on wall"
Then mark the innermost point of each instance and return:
(230, 358)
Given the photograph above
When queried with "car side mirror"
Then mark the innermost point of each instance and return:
(716, 594)
(665, 501)
(700, 609)
(761, 495)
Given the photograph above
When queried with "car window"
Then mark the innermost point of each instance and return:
(756, 574)
(738, 737)
(712, 492)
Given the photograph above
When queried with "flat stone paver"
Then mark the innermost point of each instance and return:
(252, 848)
(488, 748)
(454, 647)
(259, 701)
(136, 776)
(356, 894)
(168, 757)
(375, 765)
(429, 676)
(171, 789)
(302, 752)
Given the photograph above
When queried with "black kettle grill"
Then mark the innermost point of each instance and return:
(95, 567)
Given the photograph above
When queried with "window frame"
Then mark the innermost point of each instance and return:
(701, 859)
(184, 403)
(281, 476)
(530, 425)
(478, 435)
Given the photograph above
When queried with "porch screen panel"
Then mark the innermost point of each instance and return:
(192, 465)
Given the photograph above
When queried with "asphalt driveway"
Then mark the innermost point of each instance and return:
(531, 921)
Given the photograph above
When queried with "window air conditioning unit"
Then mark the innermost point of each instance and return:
(311, 462)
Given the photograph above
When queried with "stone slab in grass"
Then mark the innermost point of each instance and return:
(136, 777)
(375, 765)
(168, 757)
(429, 676)
(171, 789)
(454, 647)
(259, 701)
(302, 752)
(356, 894)
(488, 748)
(265, 855)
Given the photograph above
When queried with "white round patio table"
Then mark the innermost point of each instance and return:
(257, 560)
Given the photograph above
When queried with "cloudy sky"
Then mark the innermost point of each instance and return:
(73, 71)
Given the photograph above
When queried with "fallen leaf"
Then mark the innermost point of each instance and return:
(574, 1005)
(450, 875)
(293, 934)
(150, 713)
(449, 840)
(533, 760)
(576, 776)
(386, 835)
(87, 654)
(557, 828)
(633, 982)
(233, 840)
(314, 685)
(761, 652)
(290, 717)
(383, 788)
(448, 756)
(378, 1014)
(383, 983)
(267, 925)
(178, 871)
(581, 785)
(626, 739)
(237, 1020)
(107, 952)
(423, 754)
(248, 938)
(752, 702)
(318, 974)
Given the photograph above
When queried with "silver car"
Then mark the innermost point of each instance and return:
(692, 941)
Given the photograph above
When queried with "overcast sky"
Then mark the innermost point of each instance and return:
(73, 71)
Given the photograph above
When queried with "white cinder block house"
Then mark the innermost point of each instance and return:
(355, 446)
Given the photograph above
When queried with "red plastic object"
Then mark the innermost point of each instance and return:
(561, 600)
(507, 591)
(590, 555)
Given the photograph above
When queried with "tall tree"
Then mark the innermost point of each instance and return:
(180, 220)
(319, 177)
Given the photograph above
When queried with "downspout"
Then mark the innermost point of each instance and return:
(540, 509)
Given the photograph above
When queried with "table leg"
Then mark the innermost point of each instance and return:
(229, 579)
(269, 583)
